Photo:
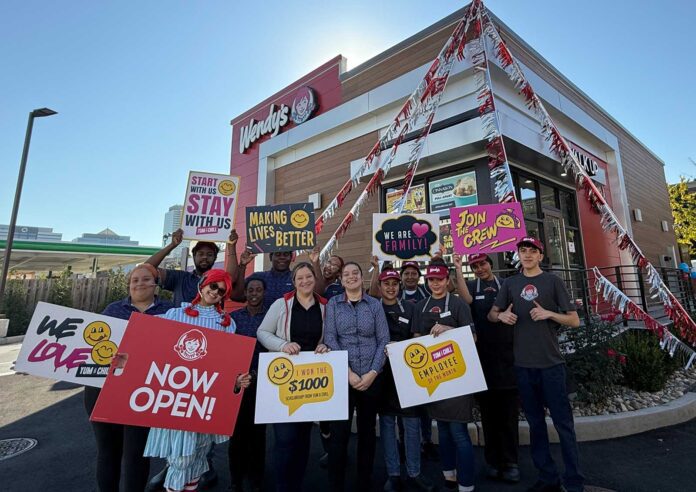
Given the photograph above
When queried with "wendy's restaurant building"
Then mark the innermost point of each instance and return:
(304, 142)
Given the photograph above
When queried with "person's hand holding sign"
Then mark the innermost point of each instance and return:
(233, 238)
(539, 313)
(177, 237)
(457, 260)
(322, 349)
(366, 381)
(243, 382)
(508, 317)
(246, 258)
(439, 329)
(291, 348)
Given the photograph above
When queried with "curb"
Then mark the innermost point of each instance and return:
(11, 340)
(600, 427)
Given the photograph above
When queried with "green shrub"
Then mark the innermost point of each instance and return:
(647, 366)
(592, 369)
(15, 309)
(117, 289)
(61, 289)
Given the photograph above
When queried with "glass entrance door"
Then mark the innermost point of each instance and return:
(556, 244)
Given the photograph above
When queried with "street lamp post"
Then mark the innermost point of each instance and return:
(37, 113)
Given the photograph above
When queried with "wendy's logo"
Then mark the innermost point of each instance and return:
(192, 345)
(303, 106)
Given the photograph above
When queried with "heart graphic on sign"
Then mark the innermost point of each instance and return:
(420, 230)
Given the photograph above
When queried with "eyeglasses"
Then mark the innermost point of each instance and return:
(219, 288)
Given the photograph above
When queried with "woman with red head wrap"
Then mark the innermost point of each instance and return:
(186, 451)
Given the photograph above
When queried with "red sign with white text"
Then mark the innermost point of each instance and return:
(177, 376)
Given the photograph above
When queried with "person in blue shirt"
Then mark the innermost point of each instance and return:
(183, 284)
(278, 280)
(332, 277)
(247, 448)
(120, 447)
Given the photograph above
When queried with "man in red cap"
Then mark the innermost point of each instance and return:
(499, 408)
(536, 304)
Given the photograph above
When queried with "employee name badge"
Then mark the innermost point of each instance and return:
(445, 314)
(402, 319)
(480, 298)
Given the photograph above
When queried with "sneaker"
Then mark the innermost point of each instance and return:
(492, 472)
(156, 483)
(545, 487)
(511, 474)
(393, 484)
(209, 479)
(429, 451)
(420, 483)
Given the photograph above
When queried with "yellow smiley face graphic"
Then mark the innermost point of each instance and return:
(95, 332)
(299, 219)
(280, 370)
(416, 356)
(226, 187)
(103, 352)
(507, 221)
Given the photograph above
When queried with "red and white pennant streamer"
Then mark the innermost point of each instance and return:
(610, 223)
(629, 309)
(422, 103)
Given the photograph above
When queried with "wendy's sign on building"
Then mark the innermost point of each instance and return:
(405, 236)
(176, 376)
(303, 107)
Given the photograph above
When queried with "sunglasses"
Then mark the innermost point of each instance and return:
(219, 288)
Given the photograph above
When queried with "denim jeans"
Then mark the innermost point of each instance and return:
(456, 451)
(291, 453)
(541, 388)
(411, 437)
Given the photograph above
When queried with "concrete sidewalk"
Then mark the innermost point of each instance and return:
(53, 413)
(8, 354)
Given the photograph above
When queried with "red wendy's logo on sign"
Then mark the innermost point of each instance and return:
(175, 377)
(191, 345)
(529, 293)
(303, 105)
(435, 309)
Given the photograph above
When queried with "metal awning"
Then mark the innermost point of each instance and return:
(37, 256)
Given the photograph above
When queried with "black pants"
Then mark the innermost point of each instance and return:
(118, 446)
(366, 404)
(499, 419)
(291, 453)
(247, 448)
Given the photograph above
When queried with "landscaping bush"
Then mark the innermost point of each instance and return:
(15, 309)
(591, 368)
(61, 289)
(647, 366)
(118, 287)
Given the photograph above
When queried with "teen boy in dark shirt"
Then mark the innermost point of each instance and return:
(536, 303)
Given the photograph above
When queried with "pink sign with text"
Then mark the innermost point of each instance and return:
(487, 228)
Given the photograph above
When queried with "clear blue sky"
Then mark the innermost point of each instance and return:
(146, 90)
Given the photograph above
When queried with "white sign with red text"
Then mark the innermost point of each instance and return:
(210, 206)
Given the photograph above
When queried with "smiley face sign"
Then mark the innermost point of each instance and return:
(428, 369)
(302, 388)
(288, 227)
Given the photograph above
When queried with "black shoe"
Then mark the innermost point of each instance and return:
(511, 474)
(393, 484)
(451, 485)
(420, 483)
(324, 460)
(156, 483)
(209, 479)
(545, 487)
(429, 451)
(492, 472)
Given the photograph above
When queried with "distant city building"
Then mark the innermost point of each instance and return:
(172, 221)
(106, 237)
(30, 233)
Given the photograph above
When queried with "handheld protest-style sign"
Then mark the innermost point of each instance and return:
(287, 227)
(306, 387)
(487, 229)
(210, 206)
(69, 345)
(176, 376)
(428, 369)
(405, 236)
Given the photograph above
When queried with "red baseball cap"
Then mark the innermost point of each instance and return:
(387, 274)
(411, 264)
(477, 258)
(437, 271)
(531, 241)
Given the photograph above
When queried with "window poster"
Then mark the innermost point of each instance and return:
(454, 191)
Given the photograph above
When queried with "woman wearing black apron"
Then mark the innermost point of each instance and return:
(499, 405)
(399, 318)
(439, 312)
